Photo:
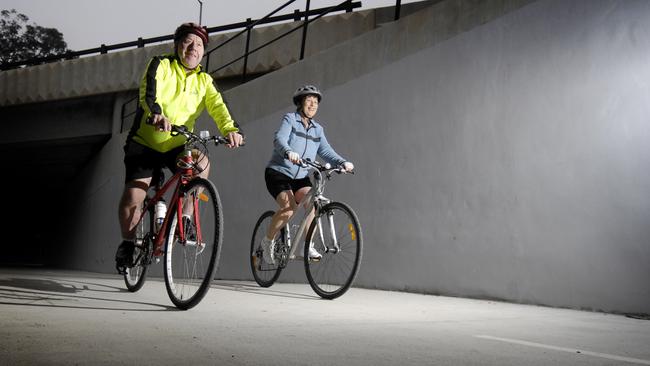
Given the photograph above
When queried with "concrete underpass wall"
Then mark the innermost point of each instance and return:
(508, 160)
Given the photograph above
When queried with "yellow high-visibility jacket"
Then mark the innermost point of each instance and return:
(166, 89)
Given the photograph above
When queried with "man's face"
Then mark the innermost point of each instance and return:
(190, 51)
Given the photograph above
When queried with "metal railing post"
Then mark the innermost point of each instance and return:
(122, 117)
(304, 32)
(398, 5)
(248, 42)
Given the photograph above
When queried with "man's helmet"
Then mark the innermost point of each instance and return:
(187, 28)
(304, 91)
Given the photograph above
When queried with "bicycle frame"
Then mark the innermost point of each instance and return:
(313, 200)
(181, 178)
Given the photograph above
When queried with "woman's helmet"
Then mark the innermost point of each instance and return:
(187, 28)
(304, 91)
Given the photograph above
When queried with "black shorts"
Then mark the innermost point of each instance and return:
(277, 182)
(141, 161)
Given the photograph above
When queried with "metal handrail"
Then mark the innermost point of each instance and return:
(319, 14)
(141, 42)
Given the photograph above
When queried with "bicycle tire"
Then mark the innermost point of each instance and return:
(189, 267)
(264, 274)
(334, 273)
(135, 277)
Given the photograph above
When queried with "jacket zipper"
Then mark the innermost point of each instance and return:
(304, 151)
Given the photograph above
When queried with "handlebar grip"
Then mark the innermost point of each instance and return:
(224, 140)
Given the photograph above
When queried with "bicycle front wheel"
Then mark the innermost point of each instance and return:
(190, 262)
(135, 276)
(336, 234)
(265, 274)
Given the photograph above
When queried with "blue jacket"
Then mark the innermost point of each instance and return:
(292, 136)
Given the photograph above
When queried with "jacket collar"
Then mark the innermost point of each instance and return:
(179, 65)
(298, 118)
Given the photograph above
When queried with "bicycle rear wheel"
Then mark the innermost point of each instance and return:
(190, 265)
(135, 276)
(265, 274)
(336, 235)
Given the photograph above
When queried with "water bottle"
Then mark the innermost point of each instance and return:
(160, 212)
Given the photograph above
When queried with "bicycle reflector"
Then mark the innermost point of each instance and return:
(204, 197)
(353, 233)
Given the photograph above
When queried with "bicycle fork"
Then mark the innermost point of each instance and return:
(332, 247)
(184, 232)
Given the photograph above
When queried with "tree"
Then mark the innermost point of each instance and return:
(21, 41)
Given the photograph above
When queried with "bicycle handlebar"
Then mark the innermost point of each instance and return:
(192, 137)
(305, 163)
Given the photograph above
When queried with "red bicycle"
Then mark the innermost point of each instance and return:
(188, 235)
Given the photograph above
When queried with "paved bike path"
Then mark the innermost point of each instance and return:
(66, 317)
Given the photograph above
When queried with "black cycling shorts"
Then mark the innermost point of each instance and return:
(141, 161)
(277, 182)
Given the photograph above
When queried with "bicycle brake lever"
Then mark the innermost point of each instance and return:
(177, 130)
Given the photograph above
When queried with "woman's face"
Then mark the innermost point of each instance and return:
(310, 106)
(190, 51)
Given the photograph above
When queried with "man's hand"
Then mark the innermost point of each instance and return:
(160, 123)
(235, 139)
(348, 166)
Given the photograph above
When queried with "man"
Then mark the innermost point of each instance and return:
(174, 91)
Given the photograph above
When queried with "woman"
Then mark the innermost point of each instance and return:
(299, 137)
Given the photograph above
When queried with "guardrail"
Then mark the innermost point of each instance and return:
(141, 42)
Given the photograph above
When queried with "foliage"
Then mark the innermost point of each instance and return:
(21, 41)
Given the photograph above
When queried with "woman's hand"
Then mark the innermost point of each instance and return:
(293, 157)
(348, 166)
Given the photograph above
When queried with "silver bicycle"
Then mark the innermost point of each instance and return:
(334, 232)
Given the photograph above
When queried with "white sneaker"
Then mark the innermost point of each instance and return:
(314, 255)
(268, 249)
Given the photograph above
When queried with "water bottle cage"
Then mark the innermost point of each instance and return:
(184, 164)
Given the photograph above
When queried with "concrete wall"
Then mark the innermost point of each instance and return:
(497, 157)
(115, 72)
